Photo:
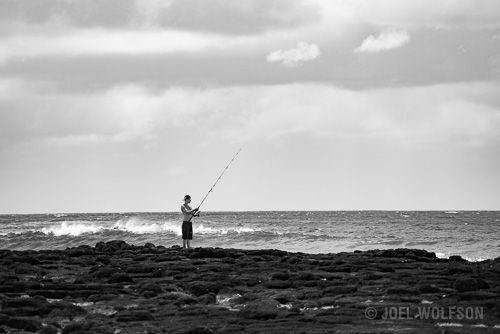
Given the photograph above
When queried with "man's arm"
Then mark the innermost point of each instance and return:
(188, 212)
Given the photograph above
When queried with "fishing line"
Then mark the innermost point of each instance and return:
(220, 176)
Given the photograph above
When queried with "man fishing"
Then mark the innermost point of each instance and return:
(187, 224)
(188, 213)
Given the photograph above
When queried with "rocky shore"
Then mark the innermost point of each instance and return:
(115, 288)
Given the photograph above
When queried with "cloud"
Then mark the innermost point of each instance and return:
(246, 17)
(451, 113)
(295, 57)
(415, 14)
(384, 41)
(102, 42)
(90, 55)
(110, 13)
(243, 17)
(118, 115)
(454, 114)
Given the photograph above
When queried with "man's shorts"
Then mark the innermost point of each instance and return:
(187, 230)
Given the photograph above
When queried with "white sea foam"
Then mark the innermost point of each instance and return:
(474, 259)
(131, 225)
(419, 243)
(138, 226)
(465, 257)
(239, 230)
(209, 230)
(73, 228)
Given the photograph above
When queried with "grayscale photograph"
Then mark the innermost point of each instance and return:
(249, 166)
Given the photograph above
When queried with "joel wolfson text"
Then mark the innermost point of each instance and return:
(425, 312)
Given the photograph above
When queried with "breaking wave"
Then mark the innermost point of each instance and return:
(72, 228)
(136, 226)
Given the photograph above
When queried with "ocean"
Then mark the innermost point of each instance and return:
(474, 235)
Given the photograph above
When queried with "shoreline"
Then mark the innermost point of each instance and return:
(115, 287)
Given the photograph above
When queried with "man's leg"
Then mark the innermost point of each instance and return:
(184, 235)
(190, 234)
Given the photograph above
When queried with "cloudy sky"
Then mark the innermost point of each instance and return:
(128, 105)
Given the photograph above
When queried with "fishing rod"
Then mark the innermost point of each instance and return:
(220, 176)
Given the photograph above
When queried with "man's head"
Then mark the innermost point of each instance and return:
(187, 198)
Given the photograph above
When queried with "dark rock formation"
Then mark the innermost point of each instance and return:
(115, 287)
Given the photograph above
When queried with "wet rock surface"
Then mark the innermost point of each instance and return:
(115, 288)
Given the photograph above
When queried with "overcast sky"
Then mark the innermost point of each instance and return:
(128, 105)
